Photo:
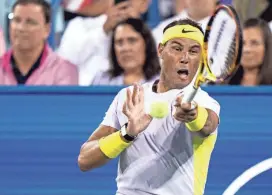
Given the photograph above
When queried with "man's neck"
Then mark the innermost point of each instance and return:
(26, 58)
(162, 87)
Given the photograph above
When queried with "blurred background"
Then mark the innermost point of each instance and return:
(46, 116)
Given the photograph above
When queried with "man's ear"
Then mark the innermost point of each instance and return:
(160, 50)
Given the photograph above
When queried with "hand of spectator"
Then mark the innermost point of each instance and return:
(130, 12)
(115, 15)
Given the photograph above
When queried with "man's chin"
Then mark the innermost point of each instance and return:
(21, 47)
(182, 84)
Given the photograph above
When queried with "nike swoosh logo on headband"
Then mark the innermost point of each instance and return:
(187, 31)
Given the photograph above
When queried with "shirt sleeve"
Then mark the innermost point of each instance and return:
(67, 73)
(204, 100)
(111, 116)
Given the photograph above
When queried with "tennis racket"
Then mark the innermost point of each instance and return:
(223, 44)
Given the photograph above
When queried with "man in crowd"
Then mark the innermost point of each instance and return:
(30, 60)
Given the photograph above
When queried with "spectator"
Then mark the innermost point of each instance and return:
(133, 55)
(256, 63)
(2, 43)
(86, 40)
(30, 60)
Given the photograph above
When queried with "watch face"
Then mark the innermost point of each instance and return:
(125, 135)
(123, 131)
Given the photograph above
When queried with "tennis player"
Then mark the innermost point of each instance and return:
(162, 156)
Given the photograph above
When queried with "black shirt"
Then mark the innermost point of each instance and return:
(21, 79)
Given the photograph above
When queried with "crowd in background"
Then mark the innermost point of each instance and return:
(102, 42)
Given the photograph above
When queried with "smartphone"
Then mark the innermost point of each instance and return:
(118, 1)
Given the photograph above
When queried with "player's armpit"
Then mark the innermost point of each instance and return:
(90, 154)
(210, 125)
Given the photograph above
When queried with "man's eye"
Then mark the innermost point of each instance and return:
(177, 48)
(194, 51)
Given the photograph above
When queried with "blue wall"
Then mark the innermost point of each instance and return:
(42, 129)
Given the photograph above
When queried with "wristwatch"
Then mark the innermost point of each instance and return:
(125, 135)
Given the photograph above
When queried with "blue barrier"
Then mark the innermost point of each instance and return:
(42, 129)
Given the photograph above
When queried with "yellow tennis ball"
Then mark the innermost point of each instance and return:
(159, 109)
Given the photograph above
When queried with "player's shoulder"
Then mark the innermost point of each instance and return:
(204, 96)
(203, 99)
(146, 86)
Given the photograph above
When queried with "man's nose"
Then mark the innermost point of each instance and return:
(184, 58)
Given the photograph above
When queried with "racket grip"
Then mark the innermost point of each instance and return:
(189, 95)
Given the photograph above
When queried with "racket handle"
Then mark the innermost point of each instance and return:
(189, 95)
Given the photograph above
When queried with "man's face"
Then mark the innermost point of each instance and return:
(28, 28)
(180, 61)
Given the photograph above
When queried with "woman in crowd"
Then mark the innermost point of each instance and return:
(133, 55)
(256, 62)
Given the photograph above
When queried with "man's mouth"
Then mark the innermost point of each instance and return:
(183, 73)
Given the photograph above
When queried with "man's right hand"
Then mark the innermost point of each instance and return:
(134, 109)
(118, 13)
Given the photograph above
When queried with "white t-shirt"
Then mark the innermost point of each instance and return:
(166, 158)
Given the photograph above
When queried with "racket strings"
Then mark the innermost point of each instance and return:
(229, 65)
(222, 45)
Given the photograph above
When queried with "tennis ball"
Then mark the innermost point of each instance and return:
(159, 109)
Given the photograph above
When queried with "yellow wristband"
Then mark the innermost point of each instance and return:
(199, 122)
(112, 145)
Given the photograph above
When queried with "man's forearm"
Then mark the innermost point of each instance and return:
(91, 156)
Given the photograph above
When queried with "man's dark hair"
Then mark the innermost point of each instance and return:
(44, 4)
(183, 22)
